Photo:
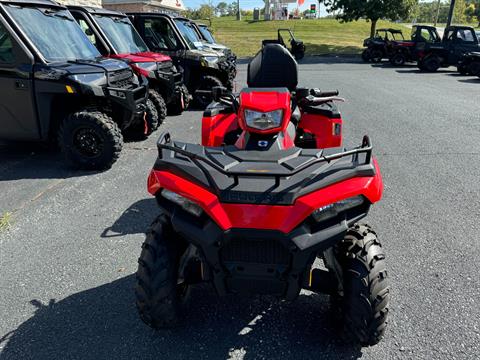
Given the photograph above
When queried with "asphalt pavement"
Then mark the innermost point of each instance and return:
(68, 259)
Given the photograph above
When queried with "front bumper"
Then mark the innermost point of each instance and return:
(255, 261)
(168, 83)
(128, 105)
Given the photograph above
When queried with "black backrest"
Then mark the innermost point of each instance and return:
(273, 66)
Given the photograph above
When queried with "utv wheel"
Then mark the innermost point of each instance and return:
(151, 117)
(398, 59)
(176, 107)
(366, 296)
(299, 55)
(90, 140)
(431, 64)
(206, 83)
(160, 106)
(474, 68)
(462, 70)
(143, 127)
(366, 55)
(159, 295)
(376, 56)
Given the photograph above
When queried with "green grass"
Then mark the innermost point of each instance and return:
(321, 36)
(5, 221)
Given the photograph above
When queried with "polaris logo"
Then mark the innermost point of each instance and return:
(263, 143)
(252, 198)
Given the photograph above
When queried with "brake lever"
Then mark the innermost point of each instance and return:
(312, 100)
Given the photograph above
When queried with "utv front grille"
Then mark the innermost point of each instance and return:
(121, 79)
(164, 65)
(261, 251)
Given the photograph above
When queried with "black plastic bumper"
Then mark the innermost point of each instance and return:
(168, 84)
(258, 261)
(128, 105)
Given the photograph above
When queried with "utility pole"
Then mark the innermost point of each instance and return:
(438, 14)
(239, 15)
(450, 13)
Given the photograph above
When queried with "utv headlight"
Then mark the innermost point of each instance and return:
(183, 202)
(148, 66)
(331, 210)
(208, 60)
(263, 120)
(90, 79)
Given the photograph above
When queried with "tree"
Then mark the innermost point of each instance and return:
(222, 8)
(459, 12)
(372, 10)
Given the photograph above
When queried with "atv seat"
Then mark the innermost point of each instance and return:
(273, 67)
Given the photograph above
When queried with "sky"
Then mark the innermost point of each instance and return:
(250, 4)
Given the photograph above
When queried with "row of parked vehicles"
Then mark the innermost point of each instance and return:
(458, 47)
(85, 77)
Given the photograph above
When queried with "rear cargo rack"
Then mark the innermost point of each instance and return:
(165, 141)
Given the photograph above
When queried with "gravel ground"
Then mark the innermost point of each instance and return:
(67, 261)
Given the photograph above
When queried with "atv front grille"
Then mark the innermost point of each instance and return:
(121, 79)
(261, 251)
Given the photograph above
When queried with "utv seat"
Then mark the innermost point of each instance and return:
(273, 67)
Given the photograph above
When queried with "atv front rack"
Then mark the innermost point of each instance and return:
(165, 142)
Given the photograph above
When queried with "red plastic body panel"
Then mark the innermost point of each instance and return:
(141, 57)
(214, 128)
(271, 217)
(327, 131)
(265, 102)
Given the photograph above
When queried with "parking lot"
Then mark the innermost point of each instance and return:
(68, 259)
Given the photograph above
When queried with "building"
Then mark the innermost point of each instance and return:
(94, 3)
(163, 6)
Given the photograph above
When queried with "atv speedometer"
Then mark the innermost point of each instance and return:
(263, 120)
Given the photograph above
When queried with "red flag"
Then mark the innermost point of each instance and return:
(301, 2)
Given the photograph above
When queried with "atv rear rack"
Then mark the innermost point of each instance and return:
(164, 142)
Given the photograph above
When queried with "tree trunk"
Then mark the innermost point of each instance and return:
(373, 27)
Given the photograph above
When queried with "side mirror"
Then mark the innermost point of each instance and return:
(218, 92)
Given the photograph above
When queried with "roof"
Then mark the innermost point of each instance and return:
(396, 31)
(33, 2)
(150, 14)
(95, 10)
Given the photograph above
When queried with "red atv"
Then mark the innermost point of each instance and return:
(268, 192)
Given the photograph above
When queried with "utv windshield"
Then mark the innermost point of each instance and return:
(121, 34)
(54, 33)
(207, 34)
(190, 35)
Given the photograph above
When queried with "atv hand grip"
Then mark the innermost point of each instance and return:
(318, 93)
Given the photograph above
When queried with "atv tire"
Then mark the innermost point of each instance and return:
(159, 103)
(431, 64)
(90, 140)
(398, 59)
(158, 296)
(366, 55)
(206, 83)
(175, 108)
(365, 300)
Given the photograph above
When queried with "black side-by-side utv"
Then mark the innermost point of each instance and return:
(469, 64)
(377, 47)
(297, 48)
(55, 85)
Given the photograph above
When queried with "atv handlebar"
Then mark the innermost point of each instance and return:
(322, 94)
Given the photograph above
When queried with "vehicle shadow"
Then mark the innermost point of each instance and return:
(135, 220)
(102, 323)
(33, 161)
(418, 71)
(474, 80)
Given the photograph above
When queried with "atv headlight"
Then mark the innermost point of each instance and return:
(183, 202)
(90, 79)
(148, 66)
(332, 210)
(208, 60)
(263, 120)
